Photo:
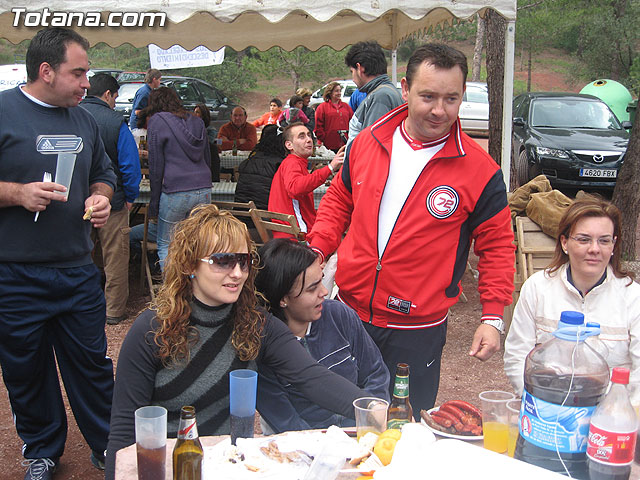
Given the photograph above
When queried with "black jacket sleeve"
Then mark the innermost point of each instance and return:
(283, 353)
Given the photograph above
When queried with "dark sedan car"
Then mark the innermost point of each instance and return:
(575, 140)
(190, 90)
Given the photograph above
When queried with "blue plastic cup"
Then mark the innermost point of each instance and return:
(242, 403)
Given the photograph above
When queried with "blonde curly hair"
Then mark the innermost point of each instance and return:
(207, 230)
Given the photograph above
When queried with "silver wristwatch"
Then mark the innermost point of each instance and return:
(499, 324)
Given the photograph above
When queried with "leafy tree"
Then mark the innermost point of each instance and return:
(300, 64)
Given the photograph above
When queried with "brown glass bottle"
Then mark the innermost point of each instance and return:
(400, 411)
(188, 453)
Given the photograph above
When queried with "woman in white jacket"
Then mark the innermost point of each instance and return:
(585, 275)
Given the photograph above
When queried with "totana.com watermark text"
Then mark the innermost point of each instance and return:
(46, 18)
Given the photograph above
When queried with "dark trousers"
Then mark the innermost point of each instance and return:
(422, 350)
(49, 314)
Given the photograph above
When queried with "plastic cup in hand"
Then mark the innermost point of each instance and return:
(513, 408)
(371, 415)
(64, 171)
(242, 403)
(151, 442)
(495, 419)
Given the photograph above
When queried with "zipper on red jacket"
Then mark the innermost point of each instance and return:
(373, 292)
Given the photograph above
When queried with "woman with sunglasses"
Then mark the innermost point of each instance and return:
(290, 278)
(585, 275)
(203, 323)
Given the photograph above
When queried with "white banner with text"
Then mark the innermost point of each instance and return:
(178, 57)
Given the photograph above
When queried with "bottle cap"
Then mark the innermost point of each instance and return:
(572, 318)
(620, 375)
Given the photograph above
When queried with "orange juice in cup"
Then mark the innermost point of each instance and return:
(495, 419)
(496, 436)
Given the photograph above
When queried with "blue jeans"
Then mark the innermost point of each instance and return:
(173, 208)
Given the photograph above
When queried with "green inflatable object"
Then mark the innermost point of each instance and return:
(613, 94)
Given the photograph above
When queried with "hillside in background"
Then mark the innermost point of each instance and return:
(553, 70)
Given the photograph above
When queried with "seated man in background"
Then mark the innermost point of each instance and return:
(292, 187)
(271, 117)
(238, 132)
(290, 277)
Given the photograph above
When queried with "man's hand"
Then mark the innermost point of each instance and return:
(338, 160)
(129, 205)
(36, 196)
(242, 141)
(486, 341)
(100, 209)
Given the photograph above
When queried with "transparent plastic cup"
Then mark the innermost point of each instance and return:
(242, 403)
(64, 171)
(513, 407)
(151, 442)
(328, 464)
(371, 415)
(495, 419)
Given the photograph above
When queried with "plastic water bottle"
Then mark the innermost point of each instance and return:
(564, 380)
(570, 319)
(612, 435)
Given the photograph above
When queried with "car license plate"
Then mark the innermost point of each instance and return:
(595, 172)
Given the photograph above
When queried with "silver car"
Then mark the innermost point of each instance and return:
(348, 87)
(474, 111)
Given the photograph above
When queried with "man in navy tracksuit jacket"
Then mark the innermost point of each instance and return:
(52, 304)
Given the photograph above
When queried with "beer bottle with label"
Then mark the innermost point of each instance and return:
(234, 150)
(188, 453)
(143, 142)
(400, 410)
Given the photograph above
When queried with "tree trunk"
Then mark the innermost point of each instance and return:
(496, 27)
(529, 64)
(477, 51)
(625, 195)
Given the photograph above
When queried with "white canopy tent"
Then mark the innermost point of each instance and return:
(262, 24)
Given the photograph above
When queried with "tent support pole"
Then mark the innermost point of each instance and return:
(394, 66)
(507, 101)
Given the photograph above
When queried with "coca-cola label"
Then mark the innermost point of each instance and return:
(189, 430)
(611, 447)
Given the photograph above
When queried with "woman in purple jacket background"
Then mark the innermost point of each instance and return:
(179, 163)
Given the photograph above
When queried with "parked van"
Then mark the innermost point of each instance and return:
(12, 75)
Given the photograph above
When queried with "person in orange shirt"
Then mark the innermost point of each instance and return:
(238, 132)
(271, 117)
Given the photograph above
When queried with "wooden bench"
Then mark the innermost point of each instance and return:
(534, 251)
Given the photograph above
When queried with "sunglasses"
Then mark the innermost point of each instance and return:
(228, 261)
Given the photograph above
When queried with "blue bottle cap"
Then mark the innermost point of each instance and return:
(572, 318)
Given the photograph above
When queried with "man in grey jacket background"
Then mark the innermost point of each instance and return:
(369, 72)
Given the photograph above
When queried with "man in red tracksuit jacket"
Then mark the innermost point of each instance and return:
(413, 193)
(292, 186)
